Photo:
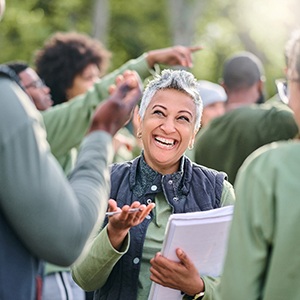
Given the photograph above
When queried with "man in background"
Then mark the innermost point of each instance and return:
(247, 124)
(262, 261)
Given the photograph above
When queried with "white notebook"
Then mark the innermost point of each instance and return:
(203, 237)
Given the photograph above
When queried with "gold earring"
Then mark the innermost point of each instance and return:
(190, 147)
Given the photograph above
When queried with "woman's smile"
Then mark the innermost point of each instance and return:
(167, 129)
(164, 143)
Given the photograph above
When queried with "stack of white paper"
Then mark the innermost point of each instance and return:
(203, 237)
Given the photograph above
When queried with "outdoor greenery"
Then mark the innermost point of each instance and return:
(222, 27)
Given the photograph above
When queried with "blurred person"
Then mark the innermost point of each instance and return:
(32, 84)
(44, 216)
(247, 124)
(262, 261)
(243, 80)
(123, 257)
(214, 100)
(70, 63)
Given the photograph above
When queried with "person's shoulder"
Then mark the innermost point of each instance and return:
(280, 149)
(273, 155)
(6, 82)
(197, 168)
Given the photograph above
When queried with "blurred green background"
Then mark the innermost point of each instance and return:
(129, 28)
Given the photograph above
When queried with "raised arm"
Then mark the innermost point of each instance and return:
(66, 124)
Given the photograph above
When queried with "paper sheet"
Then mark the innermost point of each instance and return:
(203, 236)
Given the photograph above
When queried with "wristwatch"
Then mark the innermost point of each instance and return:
(198, 296)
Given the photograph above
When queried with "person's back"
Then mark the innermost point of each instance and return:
(265, 235)
(229, 139)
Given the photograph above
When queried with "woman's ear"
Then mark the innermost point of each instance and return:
(137, 122)
(192, 140)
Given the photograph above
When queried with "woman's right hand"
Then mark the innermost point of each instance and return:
(119, 224)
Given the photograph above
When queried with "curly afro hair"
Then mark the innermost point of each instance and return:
(64, 56)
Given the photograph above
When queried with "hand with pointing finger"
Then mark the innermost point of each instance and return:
(173, 56)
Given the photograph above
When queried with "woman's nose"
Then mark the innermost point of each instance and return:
(168, 125)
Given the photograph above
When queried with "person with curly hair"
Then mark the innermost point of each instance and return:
(70, 63)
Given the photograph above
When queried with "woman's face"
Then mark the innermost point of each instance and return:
(83, 81)
(168, 128)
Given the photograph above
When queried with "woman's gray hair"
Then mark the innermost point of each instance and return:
(292, 52)
(179, 80)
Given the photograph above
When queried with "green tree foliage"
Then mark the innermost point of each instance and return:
(222, 27)
(26, 24)
(135, 27)
(261, 27)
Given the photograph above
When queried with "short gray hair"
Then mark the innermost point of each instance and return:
(179, 80)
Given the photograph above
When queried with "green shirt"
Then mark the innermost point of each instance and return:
(226, 142)
(92, 272)
(263, 250)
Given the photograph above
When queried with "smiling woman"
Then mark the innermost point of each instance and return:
(169, 122)
(161, 181)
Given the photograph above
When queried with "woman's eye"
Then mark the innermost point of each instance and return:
(184, 118)
(158, 112)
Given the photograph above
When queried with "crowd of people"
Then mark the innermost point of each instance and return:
(76, 143)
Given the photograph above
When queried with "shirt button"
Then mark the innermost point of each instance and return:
(153, 188)
(149, 201)
(175, 198)
(136, 260)
(170, 181)
(148, 217)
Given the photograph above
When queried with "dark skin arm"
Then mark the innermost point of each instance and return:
(172, 56)
(182, 275)
(116, 111)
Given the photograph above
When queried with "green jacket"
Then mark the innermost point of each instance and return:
(263, 248)
(66, 124)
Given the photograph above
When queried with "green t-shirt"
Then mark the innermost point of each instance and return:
(226, 142)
